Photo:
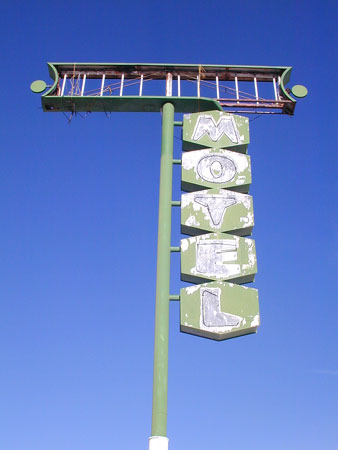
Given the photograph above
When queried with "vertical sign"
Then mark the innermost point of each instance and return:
(218, 214)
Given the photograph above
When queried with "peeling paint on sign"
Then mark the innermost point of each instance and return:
(219, 310)
(225, 126)
(216, 206)
(215, 129)
(218, 256)
(211, 313)
(216, 210)
(218, 168)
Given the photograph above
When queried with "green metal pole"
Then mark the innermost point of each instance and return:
(160, 383)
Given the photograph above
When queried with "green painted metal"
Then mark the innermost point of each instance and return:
(38, 86)
(215, 168)
(160, 384)
(219, 310)
(216, 210)
(215, 129)
(285, 78)
(52, 101)
(231, 70)
(126, 104)
(219, 257)
(299, 91)
(175, 249)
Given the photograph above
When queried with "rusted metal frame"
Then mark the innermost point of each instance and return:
(111, 75)
(253, 100)
(253, 103)
(243, 73)
(223, 74)
(110, 87)
(286, 106)
(240, 95)
(256, 111)
(208, 72)
(95, 92)
(89, 93)
(211, 85)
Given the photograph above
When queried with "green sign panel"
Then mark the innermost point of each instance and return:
(216, 129)
(216, 210)
(218, 256)
(215, 168)
(219, 310)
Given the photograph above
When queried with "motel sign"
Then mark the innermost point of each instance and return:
(218, 256)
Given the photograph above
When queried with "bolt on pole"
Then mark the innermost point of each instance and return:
(160, 382)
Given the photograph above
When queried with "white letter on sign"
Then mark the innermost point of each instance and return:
(216, 169)
(211, 307)
(207, 125)
(216, 205)
(212, 254)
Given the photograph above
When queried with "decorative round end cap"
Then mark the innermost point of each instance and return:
(299, 91)
(38, 86)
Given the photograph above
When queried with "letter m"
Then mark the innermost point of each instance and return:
(225, 126)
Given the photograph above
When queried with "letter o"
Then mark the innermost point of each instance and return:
(216, 169)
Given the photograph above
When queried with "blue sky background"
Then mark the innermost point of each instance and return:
(79, 229)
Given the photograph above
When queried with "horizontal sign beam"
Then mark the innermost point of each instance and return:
(191, 87)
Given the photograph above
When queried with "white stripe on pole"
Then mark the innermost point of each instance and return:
(158, 443)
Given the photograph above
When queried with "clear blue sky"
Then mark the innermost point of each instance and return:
(79, 229)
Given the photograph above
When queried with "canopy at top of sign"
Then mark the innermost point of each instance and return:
(215, 129)
(72, 89)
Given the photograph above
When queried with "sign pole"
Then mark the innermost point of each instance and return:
(158, 439)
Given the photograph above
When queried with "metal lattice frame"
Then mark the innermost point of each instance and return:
(69, 91)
